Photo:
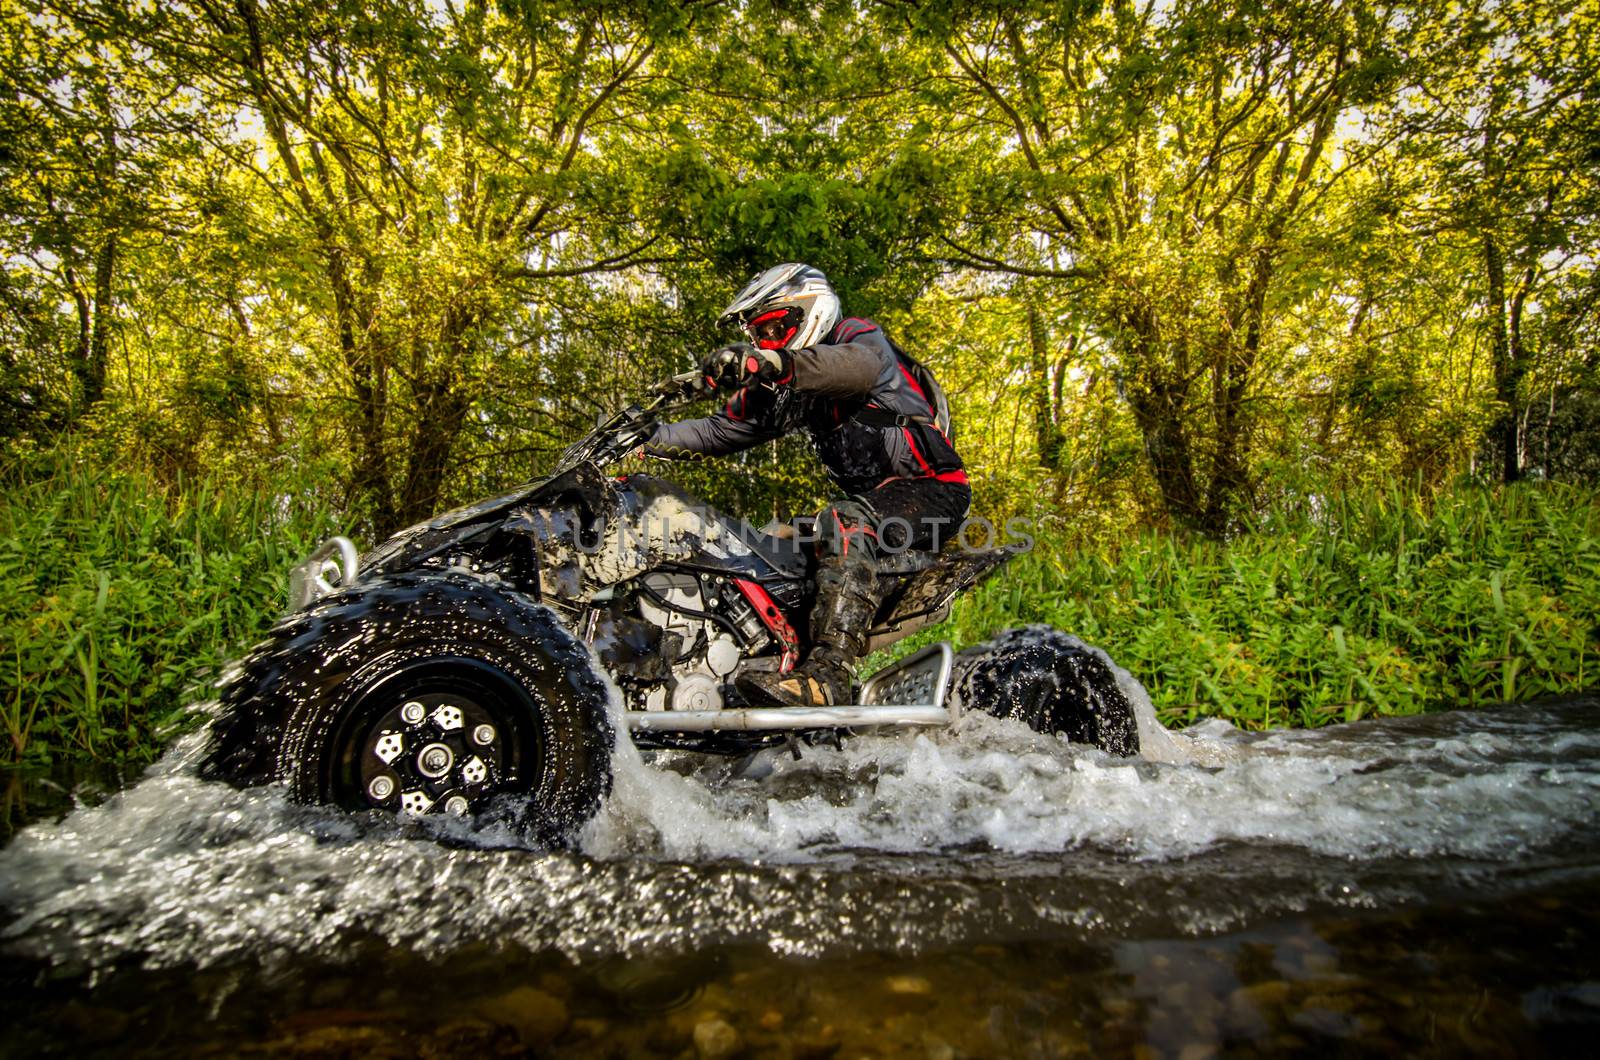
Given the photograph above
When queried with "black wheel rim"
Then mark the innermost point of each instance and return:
(438, 735)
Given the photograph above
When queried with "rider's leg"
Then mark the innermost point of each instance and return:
(917, 514)
(846, 600)
(906, 514)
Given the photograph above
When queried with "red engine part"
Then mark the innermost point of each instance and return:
(771, 617)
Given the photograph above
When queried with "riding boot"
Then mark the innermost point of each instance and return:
(847, 600)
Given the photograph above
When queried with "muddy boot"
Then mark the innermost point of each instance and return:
(846, 601)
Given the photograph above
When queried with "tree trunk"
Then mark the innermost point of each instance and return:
(441, 411)
(1229, 480)
(1158, 410)
(368, 379)
(442, 407)
(1516, 369)
(1159, 397)
(100, 341)
(1504, 431)
(1046, 431)
(91, 352)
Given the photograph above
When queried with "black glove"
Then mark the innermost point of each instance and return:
(742, 364)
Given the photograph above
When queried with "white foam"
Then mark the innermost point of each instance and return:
(689, 849)
(995, 784)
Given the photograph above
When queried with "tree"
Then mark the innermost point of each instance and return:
(1508, 121)
(427, 169)
(1169, 168)
(90, 127)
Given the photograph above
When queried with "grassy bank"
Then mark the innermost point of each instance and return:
(1376, 604)
(119, 601)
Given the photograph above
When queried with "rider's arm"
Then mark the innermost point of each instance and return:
(855, 368)
(735, 428)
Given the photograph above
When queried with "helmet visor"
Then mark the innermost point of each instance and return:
(776, 328)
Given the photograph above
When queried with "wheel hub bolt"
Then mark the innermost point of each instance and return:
(435, 760)
(381, 788)
(483, 735)
(456, 806)
(413, 712)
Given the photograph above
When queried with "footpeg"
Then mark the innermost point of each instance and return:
(910, 692)
(920, 678)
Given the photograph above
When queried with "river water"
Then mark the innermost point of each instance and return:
(1422, 886)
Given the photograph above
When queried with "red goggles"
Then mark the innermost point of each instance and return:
(774, 329)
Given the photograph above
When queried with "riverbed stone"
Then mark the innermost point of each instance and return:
(716, 1039)
(330, 993)
(1262, 997)
(343, 1042)
(557, 986)
(1341, 1001)
(1119, 1007)
(468, 1036)
(1325, 1023)
(312, 1019)
(909, 985)
(817, 1044)
(1313, 963)
(537, 1017)
(590, 1028)
(667, 1037)
(936, 1048)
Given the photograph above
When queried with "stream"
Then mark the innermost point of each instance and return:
(1426, 886)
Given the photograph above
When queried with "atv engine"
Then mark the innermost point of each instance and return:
(673, 639)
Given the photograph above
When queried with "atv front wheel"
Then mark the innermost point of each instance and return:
(423, 694)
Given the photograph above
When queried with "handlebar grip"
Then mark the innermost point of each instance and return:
(684, 384)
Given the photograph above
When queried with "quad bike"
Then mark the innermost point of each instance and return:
(453, 668)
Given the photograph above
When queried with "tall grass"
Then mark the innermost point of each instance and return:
(119, 600)
(1375, 603)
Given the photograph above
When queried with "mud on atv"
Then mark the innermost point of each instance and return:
(453, 668)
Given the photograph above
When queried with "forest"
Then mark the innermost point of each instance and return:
(1276, 319)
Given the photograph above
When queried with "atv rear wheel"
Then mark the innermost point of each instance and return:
(424, 694)
(1040, 676)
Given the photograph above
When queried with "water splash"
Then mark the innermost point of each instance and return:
(899, 841)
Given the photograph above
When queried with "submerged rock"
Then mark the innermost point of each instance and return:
(912, 985)
(716, 1039)
(538, 1018)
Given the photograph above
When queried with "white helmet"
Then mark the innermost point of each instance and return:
(789, 306)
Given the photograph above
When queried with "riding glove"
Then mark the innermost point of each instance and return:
(742, 364)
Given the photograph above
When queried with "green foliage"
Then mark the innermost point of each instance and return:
(120, 602)
(1193, 248)
(1373, 603)
(1177, 265)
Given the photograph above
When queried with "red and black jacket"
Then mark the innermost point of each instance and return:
(854, 369)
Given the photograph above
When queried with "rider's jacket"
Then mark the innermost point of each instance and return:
(831, 382)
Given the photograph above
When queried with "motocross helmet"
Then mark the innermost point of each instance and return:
(789, 306)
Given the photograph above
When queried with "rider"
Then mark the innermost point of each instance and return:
(874, 426)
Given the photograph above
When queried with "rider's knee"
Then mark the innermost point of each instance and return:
(845, 526)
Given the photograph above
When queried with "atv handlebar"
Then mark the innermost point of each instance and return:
(685, 386)
(621, 433)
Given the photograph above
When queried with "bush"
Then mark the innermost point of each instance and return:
(119, 601)
(1375, 603)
